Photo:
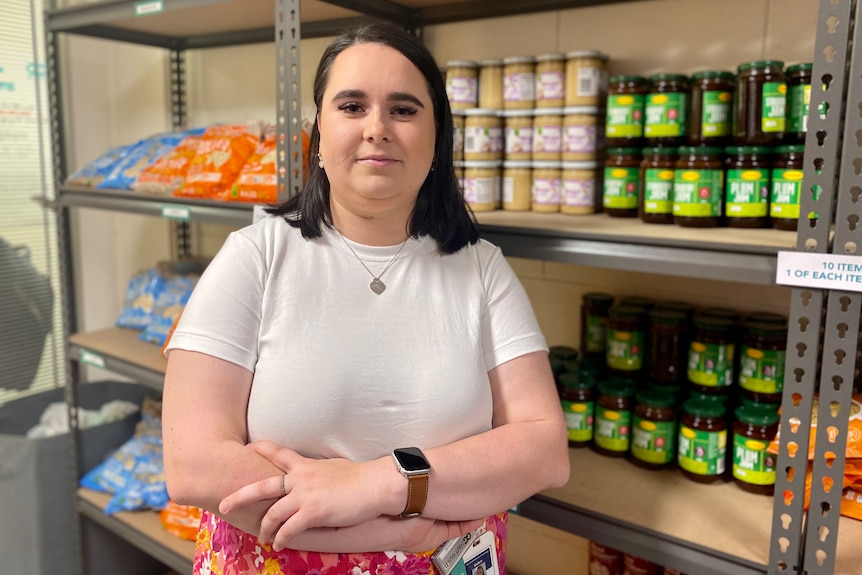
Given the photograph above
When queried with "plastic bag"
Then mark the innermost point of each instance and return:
(258, 180)
(181, 520)
(168, 306)
(168, 173)
(93, 173)
(854, 431)
(221, 154)
(140, 156)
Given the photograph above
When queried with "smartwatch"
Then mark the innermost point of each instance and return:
(412, 464)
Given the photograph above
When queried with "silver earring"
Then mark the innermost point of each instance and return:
(319, 161)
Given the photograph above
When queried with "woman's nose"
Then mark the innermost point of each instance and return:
(377, 127)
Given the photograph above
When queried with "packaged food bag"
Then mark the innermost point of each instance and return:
(854, 430)
(181, 520)
(168, 173)
(167, 307)
(142, 155)
(221, 154)
(93, 173)
(257, 180)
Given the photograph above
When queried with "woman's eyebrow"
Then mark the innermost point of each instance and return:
(393, 97)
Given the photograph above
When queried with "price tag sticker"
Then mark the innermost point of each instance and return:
(179, 213)
(91, 358)
(258, 213)
(149, 7)
(819, 271)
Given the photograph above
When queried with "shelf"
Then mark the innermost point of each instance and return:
(715, 529)
(628, 244)
(595, 240)
(189, 24)
(119, 350)
(143, 529)
(190, 209)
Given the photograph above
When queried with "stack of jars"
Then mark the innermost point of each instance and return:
(713, 149)
(528, 131)
(663, 384)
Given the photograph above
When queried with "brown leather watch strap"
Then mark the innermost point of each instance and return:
(417, 494)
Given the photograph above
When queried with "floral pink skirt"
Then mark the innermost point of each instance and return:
(223, 549)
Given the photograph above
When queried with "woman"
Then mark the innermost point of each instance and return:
(363, 317)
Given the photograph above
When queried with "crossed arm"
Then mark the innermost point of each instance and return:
(337, 505)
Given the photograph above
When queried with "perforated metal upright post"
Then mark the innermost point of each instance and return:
(179, 122)
(288, 99)
(791, 550)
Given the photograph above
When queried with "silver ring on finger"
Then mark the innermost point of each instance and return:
(283, 493)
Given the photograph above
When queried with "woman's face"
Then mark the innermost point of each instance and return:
(377, 131)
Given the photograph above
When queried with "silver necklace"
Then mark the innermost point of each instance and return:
(376, 285)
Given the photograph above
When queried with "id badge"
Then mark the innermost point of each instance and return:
(481, 557)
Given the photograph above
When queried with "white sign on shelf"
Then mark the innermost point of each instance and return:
(819, 271)
(178, 213)
(148, 7)
(91, 358)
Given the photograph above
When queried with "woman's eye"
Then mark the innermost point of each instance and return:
(351, 107)
(403, 111)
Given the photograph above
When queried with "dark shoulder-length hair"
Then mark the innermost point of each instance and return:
(440, 211)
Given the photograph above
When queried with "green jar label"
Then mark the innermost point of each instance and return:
(596, 336)
(747, 193)
(751, 462)
(716, 114)
(786, 188)
(697, 193)
(762, 370)
(579, 419)
(710, 364)
(625, 351)
(665, 115)
(653, 441)
(658, 191)
(702, 452)
(774, 107)
(625, 116)
(799, 103)
(621, 188)
(613, 429)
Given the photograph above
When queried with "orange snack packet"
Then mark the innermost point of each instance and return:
(181, 520)
(854, 431)
(168, 173)
(221, 153)
(851, 503)
(257, 181)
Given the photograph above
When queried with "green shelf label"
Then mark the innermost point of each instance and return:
(91, 358)
(149, 7)
(178, 213)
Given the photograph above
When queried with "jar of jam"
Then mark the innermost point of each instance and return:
(519, 82)
(668, 346)
(702, 440)
(786, 186)
(761, 369)
(622, 182)
(462, 86)
(766, 317)
(754, 467)
(654, 429)
(547, 186)
(517, 185)
(798, 102)
(666, 110)
(711, 122)
(625, 110)
(636, 566)
(656, 180)
(550, 80)
(585, 77)
(746, 196)
(626, 336)
(644, 303)
(491, 83)
(613, 418)
(698, 187)
(710, 354)
(579, 188)
(594, 323)
(577, 391)
(761, 102)
(605, 560)
(680, 306)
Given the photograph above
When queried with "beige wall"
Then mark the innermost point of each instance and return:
(118, 93)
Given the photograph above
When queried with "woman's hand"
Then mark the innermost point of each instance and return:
(317, 493)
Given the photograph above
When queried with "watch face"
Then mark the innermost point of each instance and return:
(411, 459)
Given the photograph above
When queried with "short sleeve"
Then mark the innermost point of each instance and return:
(509, 326)
(222, 317)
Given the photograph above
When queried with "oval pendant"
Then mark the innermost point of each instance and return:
(377, 286)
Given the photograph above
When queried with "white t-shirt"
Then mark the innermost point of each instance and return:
(342, 372)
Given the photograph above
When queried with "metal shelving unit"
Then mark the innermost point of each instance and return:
(179, 25)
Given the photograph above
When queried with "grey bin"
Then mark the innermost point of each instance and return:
(37, 497)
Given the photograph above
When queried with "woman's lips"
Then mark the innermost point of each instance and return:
(378, 161)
